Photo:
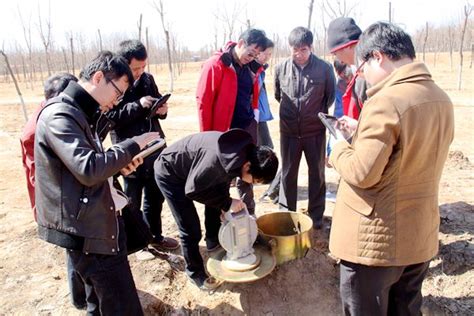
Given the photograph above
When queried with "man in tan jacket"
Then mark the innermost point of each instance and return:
(386, 220)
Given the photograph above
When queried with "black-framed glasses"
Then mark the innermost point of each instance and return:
(120, 93)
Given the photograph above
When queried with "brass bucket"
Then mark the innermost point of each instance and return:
(287, 233)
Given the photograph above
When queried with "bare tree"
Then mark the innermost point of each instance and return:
(139, 25)
(229, 19)
(467, 12)
(100, 39)
(310, 12)
(159, 7)
(27, 36)
(16, 84)
(337, 8)
(451, 44)
(45, 34)
(66, 64)
(425, 40)
(71, 47)
(147, 47)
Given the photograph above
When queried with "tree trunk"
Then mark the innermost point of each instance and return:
(66, 64)
(16, 84)
(160, 10)
(71, 43)
(140, 27)
(148, 48)
(310, 12)
(424, 42)
(467, 12)
(100, 39)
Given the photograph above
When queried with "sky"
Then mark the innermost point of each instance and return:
(193, 21)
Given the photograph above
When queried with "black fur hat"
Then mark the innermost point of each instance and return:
(342, 32)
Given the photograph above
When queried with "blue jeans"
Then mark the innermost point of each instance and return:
(108, 282)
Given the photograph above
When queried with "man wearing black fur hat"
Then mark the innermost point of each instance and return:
(343, 36)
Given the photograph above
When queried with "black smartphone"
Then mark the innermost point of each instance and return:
(158, 104)
(330, 122)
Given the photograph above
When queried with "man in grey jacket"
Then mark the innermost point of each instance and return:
(304, 86)
(78, 207)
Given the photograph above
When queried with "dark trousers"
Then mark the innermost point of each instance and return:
(246, 189)
(187, 219)
(368, 290)
(292, 149)
(76, 285)
(108, 282)
(264, 138)
(152, 201)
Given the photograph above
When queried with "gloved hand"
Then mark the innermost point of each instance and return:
(256, 115)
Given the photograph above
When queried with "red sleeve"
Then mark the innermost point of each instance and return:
(207, 90)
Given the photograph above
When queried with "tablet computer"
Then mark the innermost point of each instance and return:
(150, 148)
(158, 104)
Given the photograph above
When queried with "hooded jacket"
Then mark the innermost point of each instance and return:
(386, 211)
(302, 95)
(205, 164)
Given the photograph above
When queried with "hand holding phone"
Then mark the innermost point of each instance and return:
(333, 126)
(157, 104)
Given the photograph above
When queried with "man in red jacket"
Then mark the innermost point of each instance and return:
(224, 100)
(224, 92)
(53, 86)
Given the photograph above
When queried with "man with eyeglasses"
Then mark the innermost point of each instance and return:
(78, 207)
(131, 118)
(386, 220)
(304, 86)
(224, 101)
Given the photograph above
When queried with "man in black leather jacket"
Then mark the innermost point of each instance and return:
(131, 118)
(78, 208)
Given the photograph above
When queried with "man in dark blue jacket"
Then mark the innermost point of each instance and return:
(131, 118)
(304, 86)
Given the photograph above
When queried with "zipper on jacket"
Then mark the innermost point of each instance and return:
(298, 103)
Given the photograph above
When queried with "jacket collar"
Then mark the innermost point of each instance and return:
(412, 72)
(83, 100)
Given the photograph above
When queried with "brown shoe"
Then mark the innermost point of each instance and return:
(165, 244)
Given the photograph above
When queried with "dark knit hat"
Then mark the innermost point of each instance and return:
(342, 32)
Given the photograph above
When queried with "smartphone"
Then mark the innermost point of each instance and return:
(158, 104)
(330, 122)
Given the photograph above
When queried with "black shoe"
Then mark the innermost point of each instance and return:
(212, 245)
(205, 283)
(318, 223)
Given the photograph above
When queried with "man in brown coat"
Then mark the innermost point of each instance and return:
(386, 220)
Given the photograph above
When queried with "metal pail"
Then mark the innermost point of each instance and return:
(288, 234)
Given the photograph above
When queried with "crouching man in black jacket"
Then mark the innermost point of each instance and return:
(200, 168)
(78, 208)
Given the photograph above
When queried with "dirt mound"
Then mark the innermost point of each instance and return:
(457, 160)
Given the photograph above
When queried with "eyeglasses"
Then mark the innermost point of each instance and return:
(360, 69)
(120, 93)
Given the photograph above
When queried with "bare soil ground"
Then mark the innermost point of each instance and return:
(32, 272)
